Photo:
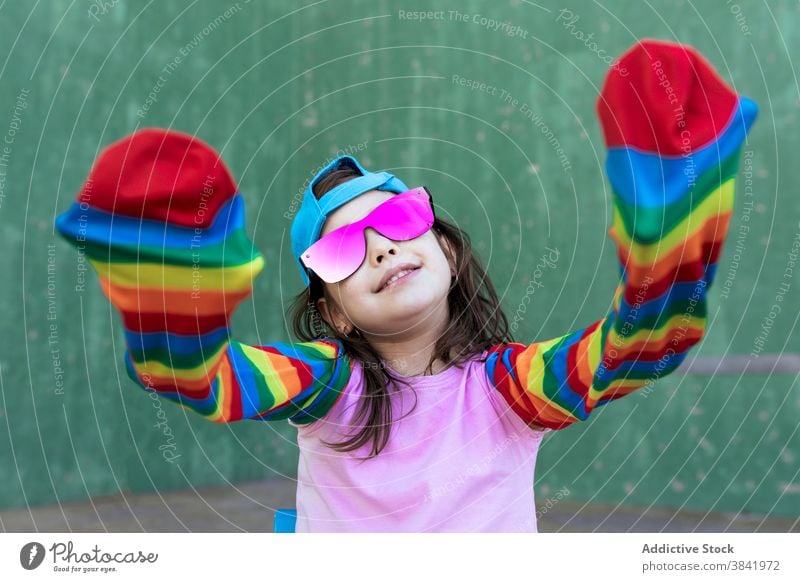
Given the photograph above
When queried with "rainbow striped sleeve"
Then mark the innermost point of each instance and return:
(176, 287)
(672, 169)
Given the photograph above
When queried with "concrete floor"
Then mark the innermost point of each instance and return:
(249, 507)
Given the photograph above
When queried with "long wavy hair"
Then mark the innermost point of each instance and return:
(477, 322)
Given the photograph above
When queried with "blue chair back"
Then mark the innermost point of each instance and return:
(285, 521)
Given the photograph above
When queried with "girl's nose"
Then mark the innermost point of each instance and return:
(379, 247)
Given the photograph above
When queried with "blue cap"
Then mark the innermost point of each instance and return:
(310, 218)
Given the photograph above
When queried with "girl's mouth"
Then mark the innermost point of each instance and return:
(404, 276)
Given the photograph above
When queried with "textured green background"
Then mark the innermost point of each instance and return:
(278, 87)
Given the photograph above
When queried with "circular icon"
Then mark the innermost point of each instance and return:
(31, 555)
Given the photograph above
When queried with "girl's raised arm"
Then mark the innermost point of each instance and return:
(161, 222)
(674, 130)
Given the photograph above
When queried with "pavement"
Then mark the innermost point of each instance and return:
(250, 507)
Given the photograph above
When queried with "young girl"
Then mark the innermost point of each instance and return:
(415, 410)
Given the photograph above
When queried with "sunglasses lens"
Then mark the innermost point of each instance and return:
(337, 255)
(404, 217)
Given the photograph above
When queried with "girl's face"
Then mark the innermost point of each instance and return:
(359, 301)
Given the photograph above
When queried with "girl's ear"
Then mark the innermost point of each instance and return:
(322, 307)
(332, 316)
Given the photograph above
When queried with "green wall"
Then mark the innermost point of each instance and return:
(279, 87)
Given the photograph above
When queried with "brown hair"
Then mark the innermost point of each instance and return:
(477, 322)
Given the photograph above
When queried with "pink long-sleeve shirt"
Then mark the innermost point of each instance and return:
(461, 461)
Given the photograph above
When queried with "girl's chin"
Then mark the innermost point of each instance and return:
(412, 307)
